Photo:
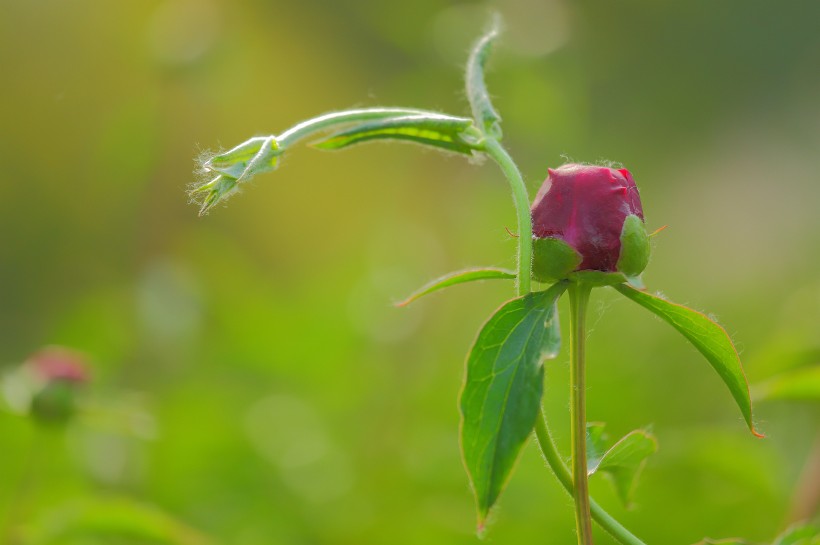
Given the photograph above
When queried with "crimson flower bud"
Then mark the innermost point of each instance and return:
(59, 373)
(588, 218)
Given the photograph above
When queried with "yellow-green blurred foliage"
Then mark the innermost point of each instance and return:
(288, 401)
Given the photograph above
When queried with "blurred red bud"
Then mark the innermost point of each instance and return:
(59, 372)
(58, 364)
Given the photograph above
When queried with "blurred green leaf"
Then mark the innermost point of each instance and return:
(483, 111)
(110, 518)
(441, 131)
(502, 392)
(807, 534)
(727, 541)
(708, 337)
(458, 277)
(796, 384)
(623, 461)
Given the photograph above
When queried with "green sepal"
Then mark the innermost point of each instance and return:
(458, 277)
(635, 247)
(709, 338)
(636, 282)
(457, 134)
(598, 278)
(501, 397)
(553, 259)
(217, 190)
(623, 461)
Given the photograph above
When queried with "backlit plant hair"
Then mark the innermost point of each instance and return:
(589, 232)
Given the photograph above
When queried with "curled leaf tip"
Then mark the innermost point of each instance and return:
(256, 155)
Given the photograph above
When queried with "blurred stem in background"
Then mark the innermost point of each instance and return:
(23, 490)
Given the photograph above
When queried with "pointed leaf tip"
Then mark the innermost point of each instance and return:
(502, 391)
(623, 461)
(709, 338)
(482, 107)
(454, 278)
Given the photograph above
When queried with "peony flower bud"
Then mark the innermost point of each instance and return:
(58, 372)
(588, 218)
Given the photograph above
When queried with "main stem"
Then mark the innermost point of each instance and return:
(599, 515)
(578, 301)
(522, 210)
(522, 207)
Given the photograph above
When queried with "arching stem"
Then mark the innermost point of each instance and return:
(522, 210)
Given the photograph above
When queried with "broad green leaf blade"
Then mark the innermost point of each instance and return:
(501, 397)
(480, 103)
(458, 277)
(456, 134)
(797, 384)
(623, 461)
(708, 337)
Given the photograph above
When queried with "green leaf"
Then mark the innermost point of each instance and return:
(458, 277)
(634, 247)
(596, 444)
(708, 337)
(727, 541)
(803, 534)
(111, 520)
(797, 384)
(623, 461)
(456, 134)
(480, 103)
(501, 397)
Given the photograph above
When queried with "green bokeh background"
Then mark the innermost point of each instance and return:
(267, 391)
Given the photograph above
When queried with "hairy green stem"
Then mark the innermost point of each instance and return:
(599, 515)
(323, 122)
(578, 302)
(522, 209)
